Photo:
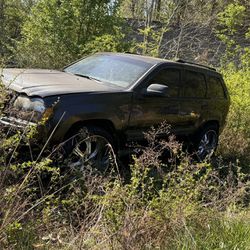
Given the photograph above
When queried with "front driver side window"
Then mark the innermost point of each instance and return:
(169, 77)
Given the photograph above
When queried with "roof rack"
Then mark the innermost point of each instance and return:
(201, 65)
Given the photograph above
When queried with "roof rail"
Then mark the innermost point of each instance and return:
(201, 65)
(131, 53)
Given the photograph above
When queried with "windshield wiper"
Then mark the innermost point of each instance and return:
(88, 77)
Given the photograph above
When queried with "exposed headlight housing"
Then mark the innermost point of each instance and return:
(30, 104)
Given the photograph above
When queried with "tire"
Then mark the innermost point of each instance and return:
(90, 146)
(206, 142)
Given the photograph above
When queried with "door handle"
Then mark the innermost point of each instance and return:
(183, 113)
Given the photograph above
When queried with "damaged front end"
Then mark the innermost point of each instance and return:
(22, 118)
(11, 115)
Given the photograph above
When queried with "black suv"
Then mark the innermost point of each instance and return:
(118, 96)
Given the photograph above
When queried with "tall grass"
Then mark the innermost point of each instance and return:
(168, 202)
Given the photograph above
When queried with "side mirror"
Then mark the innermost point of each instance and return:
(156, 90)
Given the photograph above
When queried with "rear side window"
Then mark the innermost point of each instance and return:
(215, 88)
(169, 77)
(194, 84)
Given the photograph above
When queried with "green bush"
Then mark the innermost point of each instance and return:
(235, 140)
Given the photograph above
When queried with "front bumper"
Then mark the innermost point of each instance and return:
(28, 140)
(15, 123)
(35, 133)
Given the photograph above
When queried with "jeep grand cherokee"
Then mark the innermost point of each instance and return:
(117, 96)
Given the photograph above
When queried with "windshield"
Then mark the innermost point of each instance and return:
(111, 69)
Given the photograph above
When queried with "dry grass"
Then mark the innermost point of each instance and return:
(170, 203)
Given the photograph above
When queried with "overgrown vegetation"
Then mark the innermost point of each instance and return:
(168, 203)
(171, 204)
(235, 140)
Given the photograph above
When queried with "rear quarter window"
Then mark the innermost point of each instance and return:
(215, 89)
(194, 84)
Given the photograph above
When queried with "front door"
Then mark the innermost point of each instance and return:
(150, 111)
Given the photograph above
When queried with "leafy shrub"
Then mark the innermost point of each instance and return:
(235, 140)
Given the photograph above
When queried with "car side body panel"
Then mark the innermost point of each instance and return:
(71, 109)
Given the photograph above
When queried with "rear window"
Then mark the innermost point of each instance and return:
(194, 84)
(215, 88)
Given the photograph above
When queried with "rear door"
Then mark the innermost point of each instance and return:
(193, 100)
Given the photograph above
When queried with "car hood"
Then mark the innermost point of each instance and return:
(41, 82)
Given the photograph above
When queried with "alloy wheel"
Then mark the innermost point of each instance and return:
(94, 150)
(207, 145)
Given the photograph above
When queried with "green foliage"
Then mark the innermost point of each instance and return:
(3, 96)
(12, 15)
(232, 18)
(107, 42)
(152, 40)
(233, 21)
(21, 236)
(215, 231)
(239, 89)
(57, 32)
(235, 140)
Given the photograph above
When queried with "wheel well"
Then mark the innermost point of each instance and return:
(209, 123)
(105, 124)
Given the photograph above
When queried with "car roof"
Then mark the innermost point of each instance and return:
(154, 60)
(148, 59)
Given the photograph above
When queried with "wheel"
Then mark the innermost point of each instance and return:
(206, 142)
(90, 146)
